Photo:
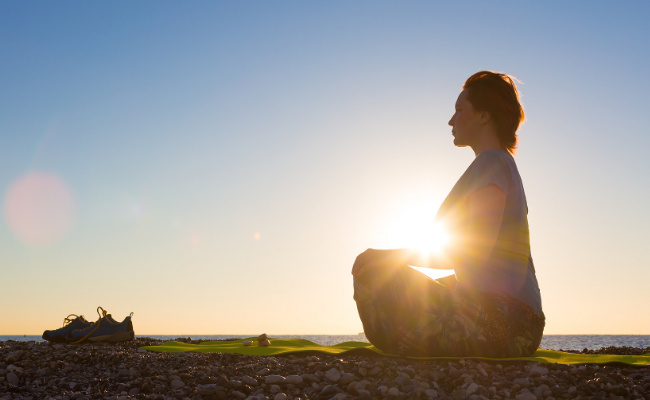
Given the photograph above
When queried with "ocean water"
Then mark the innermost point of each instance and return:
(551, 342)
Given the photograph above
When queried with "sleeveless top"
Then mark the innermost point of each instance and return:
(509, 269)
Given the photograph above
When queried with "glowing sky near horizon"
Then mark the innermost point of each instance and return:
(215, 167)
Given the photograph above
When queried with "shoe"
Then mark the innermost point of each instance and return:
(105, 329)
(61, 335)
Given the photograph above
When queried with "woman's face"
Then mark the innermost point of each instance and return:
(465, 122)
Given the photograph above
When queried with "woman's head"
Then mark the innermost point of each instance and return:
(497, 94)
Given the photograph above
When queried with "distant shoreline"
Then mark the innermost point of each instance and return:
(551, 342)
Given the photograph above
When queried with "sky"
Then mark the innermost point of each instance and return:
(215, 167)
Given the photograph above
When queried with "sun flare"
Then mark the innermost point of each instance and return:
(414, 226)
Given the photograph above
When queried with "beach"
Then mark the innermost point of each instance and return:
(42, 370)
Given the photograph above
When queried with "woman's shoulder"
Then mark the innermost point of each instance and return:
(492, 159)
(493, 154)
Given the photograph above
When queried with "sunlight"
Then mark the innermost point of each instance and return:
(415, 227)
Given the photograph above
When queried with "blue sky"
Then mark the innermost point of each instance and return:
(226, 161)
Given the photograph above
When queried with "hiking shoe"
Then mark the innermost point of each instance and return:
(69, 324)
(105, 329)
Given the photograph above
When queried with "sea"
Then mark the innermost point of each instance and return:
(550, 342)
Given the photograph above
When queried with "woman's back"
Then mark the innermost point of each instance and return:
(509, 269)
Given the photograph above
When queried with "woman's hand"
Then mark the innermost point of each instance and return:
(373, 258)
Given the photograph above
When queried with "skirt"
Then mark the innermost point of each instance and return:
(404, 312)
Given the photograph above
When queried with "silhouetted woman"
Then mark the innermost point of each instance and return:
(492, 306)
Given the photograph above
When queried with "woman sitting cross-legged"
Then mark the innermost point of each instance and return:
(492, 305)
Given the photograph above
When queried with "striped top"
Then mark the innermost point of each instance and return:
(509, 269)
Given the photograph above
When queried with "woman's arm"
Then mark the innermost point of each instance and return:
(485, 215)
(396, 258)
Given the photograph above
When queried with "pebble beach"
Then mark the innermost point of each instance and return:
(121, 371)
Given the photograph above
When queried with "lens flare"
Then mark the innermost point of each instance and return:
(39, 208)
(415, 227)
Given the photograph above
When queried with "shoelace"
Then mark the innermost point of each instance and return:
(102, 315)
(67, 320)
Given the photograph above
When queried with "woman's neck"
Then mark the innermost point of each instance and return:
(487, 142)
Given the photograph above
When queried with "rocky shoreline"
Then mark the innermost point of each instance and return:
(42, 370)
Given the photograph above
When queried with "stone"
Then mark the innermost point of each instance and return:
(330, 390)
(431, 393)
(13, 368)
(280, 396)
(209, 389)
(15, 355)
(274, 379)
(521, 381)
(248, 342)
(294, 379)
(346, 378)
(471, 389)
(248, 380)
(264, 343)
(393, 391)
(12, 379)
(538, 369)
(333, 375)
(236, 394)
(177, 384)
(261, 337)
(525, 396)
(263, 372)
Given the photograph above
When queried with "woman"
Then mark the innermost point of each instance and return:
(492, 307)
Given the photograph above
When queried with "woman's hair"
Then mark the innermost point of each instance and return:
(497, 94)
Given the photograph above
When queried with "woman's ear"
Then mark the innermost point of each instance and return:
(485, 117)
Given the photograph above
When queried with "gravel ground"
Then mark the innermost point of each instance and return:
(41, 370)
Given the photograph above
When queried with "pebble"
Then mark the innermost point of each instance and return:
(124, 371)
(274, 379)
(248, 380)
(521, 381)
(236, 394)
(13, 379)
(538, 369)
(294, 379)
(333, 375)
(525, 396)
(471, 389)
(177, 383)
